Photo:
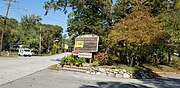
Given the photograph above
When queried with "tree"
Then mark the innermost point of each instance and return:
(50, 33)
(87, 17)
(171, 24)
(138, 27)
(138, 30)
(11, 34)
(135, 32)
(28, 28)
(169, 19)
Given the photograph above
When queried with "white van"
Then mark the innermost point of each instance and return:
(24, 52)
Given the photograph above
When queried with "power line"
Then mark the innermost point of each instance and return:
(27, 11)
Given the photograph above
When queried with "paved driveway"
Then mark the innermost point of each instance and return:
(15, 68)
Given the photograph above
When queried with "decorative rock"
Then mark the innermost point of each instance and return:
(92, 68)
(93, 73)
(116, 71)
(98, 73)
(96, 69)
(103, 74)
(88, 72)
(111, 74)
(123, 70)
(125, 75)
(101, 70)
(107, 72)
(119, 75)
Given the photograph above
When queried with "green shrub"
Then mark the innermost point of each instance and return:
(112, 60)
(80, 60)
(68, 60)
(71, 60)
(64, 61)
(95, 63)
(175, 61)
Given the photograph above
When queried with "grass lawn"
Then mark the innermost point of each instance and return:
(164, 69)
(54, 67)
(15, 54)
(131, 69)
(9, 54)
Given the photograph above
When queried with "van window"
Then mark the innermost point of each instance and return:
(27, 50)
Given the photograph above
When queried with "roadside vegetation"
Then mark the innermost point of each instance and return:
(31, 33)
(133, 33)
(72, 61)
(7, 54)
(53, 67)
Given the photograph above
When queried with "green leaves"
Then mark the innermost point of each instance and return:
(27, 33)
(49, 34)
(130, 28)
(170, 21)
(29, 36)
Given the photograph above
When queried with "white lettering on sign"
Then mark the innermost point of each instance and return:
(85, 55)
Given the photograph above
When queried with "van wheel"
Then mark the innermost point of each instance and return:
(19, 55)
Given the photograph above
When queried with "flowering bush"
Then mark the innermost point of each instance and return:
(101, 58)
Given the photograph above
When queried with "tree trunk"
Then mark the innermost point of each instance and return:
(169, 57)
(155, 60)
(140, 60)
(131, 62)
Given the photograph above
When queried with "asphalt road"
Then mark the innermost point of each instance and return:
(32, 73)
(65, 79)
(15, 68)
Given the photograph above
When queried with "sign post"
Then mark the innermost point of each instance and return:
(66, 47)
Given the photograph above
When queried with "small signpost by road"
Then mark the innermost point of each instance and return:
(66, 47)
(86, 45)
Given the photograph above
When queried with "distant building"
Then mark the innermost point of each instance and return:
(15, 47)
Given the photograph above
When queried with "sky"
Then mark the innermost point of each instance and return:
(29, 7)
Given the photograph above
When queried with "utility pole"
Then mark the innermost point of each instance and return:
(40, 41)
(4, 28)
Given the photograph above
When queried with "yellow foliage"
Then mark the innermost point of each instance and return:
(177, 6)
(138, 27)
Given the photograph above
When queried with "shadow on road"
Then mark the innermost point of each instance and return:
(114, 85)
(146, 83)
(163, 82)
